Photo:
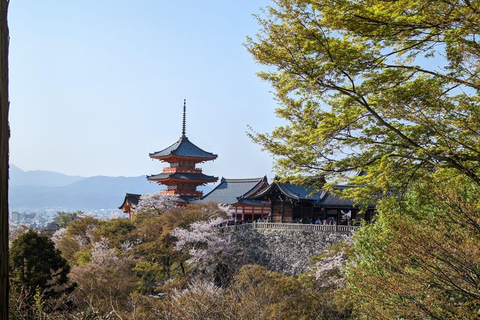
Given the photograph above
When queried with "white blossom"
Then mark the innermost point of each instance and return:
(205, 243)
(330, 269)
(102, 255)
(156, 201)
(58, 236)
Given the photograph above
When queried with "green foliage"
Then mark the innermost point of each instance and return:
(149, 274)
(38, 273)
(117, 231)
(157, 244)
(254, 293)
(421, 258)
(35, 263)
(271, 295)
(63, 219)
(78, 240)
(389, 87)
(83, 228)
(83, 256)
(131, 270)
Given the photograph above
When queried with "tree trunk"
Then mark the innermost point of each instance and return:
(4, 138)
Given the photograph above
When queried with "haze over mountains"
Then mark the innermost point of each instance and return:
(39, 190)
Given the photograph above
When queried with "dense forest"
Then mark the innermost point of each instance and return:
(166, 263)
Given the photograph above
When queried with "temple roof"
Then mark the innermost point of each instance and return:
(307, 194)
(132, 200)
(184, 148)
(183, 176)
(231, 191)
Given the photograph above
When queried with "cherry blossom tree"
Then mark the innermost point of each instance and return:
(327, 280)
(156, 202)
(199, 300)
(205, 243)
(329, 268)
(105, 282)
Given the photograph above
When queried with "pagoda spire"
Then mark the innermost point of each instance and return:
(184, 124)
(183, 177)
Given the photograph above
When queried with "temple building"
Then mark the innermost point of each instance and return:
(129, 204)
(237, 193)
(182, 176)
(295, 203)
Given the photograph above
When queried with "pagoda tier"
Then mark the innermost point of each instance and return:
(182, 177)
(183, 151)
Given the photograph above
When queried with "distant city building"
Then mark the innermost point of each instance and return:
(16, 216)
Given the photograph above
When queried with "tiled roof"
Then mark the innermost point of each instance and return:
(229, 191)
(184, 148)
(300, 192)
(183, 176)
(291, 191)
(251, 202)
(131, 198)
(319, 198)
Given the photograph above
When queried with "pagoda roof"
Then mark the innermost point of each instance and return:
(186, 176)
(230, 191)
(183, 148)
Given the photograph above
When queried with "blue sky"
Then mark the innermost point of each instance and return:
(97, 85)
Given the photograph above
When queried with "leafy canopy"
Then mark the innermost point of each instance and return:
(421, 259)
(389, 87)
(35, 264)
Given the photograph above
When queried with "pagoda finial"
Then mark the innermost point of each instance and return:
(184, 117)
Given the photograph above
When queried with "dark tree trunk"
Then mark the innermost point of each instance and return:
(4, 138)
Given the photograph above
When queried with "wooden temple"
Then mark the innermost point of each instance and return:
(238, 193)
(129, 204)
(292, 203)
(182, 176)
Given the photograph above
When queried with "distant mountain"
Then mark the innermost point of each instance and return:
(40, 190)
(18, 177)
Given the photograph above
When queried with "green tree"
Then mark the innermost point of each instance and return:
(117, 231)
(421, 259)
(63, 219)
(75, 243)
(389, 87)
(37, 268)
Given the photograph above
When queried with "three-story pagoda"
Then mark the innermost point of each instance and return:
(182, 177)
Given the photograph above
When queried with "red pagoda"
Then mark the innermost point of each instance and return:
(182, 177)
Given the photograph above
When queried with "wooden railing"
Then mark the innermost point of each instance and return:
(295, 226)
(300, 226)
